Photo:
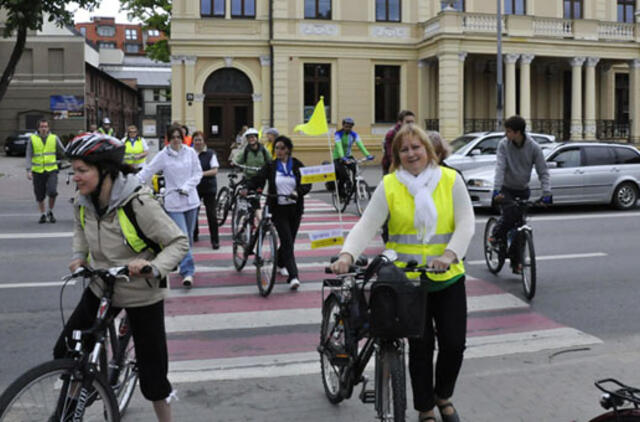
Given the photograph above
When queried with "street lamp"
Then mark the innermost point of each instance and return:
(499, 89)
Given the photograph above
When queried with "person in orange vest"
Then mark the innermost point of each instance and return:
(43, 152)
(186, 139)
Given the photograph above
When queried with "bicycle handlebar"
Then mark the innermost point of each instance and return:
(107, 275)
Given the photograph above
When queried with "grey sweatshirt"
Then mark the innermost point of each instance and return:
(514, 165)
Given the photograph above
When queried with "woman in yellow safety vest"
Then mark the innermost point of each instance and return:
(431, 221)
(119, 222)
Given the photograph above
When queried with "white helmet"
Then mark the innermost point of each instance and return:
(250, 131)
(106, 121)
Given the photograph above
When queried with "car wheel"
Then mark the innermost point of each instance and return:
(625, 196)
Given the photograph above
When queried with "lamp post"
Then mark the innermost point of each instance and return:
(499, 83)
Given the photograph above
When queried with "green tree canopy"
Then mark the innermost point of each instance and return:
(155, 14)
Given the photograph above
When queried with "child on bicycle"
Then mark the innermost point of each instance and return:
(106, 187)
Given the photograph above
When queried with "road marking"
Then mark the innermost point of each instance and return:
(20, 215)
(551, 257)
(612, 214)
(307, 316)
(38, 284)
(308, 363)
(35, 235)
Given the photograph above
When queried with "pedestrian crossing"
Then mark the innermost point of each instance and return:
(222, 329)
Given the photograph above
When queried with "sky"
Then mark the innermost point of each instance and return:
(107, 8)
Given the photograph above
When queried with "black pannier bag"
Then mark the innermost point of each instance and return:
(397, 305)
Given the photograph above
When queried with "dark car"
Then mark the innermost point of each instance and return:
(16, 144)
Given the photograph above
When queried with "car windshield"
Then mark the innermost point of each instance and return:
(460, 142)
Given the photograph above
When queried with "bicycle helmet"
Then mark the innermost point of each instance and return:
(348, 120)
(251, 131)
(106, 121)
(96, 148)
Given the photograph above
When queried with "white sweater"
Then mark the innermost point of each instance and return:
(378, 210)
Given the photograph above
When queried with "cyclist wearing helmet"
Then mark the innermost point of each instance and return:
(106, 128)
(344, 140)
(109, 197)
(253, 155)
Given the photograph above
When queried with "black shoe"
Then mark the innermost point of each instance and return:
(215, 245)
(43, 219)
(52, 219)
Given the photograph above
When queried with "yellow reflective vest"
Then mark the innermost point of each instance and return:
(130, 151)
(109, 132)
(403, 235)
(44, 153)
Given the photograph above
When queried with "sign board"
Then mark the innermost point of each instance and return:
(214, 129)
(149, 127)
(66, 106)
(316, 174)
(326, 238)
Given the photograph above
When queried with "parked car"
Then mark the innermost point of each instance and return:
(16, 144)
(478, 149)
(581, 173)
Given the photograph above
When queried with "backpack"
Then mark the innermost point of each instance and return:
(265, 153)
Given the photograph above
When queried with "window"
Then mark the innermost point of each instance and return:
(56, 61)
(132, 48)
(567, 158)
(106, 31)
(83, 31)
(317, 9)
(599, 156)
(153, 33)
(211, 8)
(573, 9)
(627, 156)
(156, 94)
(488, 146)
(317, 82)
(102, 44)
(457, 5)
(515, 7)
(387, 93)
(25, 65)
(388, 10)
(626, 9)
(131, 34)
(243, 8)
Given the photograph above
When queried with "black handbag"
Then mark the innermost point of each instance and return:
(397, 305)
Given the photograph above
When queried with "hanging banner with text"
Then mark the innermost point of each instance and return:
(317, 174)
(66, 107)
(326, 238)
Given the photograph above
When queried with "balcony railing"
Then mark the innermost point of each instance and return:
(479, 125)
(616, 31)
(432, 124)
(560, 128)
(475, 22)
(550, 27)
(613, 129)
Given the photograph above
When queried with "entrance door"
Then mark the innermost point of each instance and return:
(224, 118)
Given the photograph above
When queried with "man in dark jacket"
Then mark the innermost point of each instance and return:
(405, 117)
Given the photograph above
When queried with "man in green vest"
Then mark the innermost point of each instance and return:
(106, 127)
(43, 152)
(136, 148)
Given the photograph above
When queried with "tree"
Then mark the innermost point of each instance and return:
(26, 15)
(155, 14)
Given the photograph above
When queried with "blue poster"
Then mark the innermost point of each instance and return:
(67, 106)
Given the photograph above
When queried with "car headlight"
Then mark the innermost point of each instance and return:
(479, 183)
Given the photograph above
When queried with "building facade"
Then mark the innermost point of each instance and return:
(104, 32)
(571, 67)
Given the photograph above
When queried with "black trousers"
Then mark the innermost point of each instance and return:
(447, 311)
(209, 201)
(287, 218)
(342, 174)
(510, 217)
(149, 339)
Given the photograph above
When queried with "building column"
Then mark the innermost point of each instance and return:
(178, 102)
(189, 118)
(634, 100)
(265, 64)
(576, 98)
(525, 87)
(510, 84)
(462, 56)
(450, 94)
(607, 92)
(590, 99)
(423, 83)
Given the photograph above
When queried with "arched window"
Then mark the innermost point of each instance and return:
(229, 81)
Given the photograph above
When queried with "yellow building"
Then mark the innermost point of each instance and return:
(571, 67)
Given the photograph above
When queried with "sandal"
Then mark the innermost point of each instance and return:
(448, 418)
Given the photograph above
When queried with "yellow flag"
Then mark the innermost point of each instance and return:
(317, 124)
(260, 133)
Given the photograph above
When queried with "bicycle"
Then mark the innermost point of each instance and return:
(354, 187)
(615, 399)
(520, 237)
(258, 239)
(348, 317)
(94, 384)
(235, 215)
(227, 196)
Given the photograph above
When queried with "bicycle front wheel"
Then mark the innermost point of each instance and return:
(124, 366)
(493, 256)
(241, 242)
(51, 391)
(391, 393)
(333, 352)
(266, 261)
(528, 260)
(624, 415)
(362, 196)
(222, 205)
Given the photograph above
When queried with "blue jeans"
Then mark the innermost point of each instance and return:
(186, 220)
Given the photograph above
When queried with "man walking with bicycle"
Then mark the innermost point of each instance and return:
(517, 154)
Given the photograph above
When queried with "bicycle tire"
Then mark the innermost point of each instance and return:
(222, 205)
(528, 260)
(241, 242)
(493, 256)
(46, 377)
(333, 329)
(127, 370)
(266, 261)
(624, 415)
(237, 214)
(362, 196)
(391, 384)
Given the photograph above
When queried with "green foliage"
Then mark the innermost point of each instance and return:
(155, 14)
(29, 13)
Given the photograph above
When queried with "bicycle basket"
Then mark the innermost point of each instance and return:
(397, 306)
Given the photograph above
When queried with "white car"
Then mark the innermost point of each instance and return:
(478, 149)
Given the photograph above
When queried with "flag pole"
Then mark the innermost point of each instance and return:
(335, 182)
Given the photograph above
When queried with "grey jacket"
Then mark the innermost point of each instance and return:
(514, 165)
(103, 241)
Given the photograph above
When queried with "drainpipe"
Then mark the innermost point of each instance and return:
(271, 75)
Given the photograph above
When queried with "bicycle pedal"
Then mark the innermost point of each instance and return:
(368, 396)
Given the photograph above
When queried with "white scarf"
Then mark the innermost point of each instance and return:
(421, 187)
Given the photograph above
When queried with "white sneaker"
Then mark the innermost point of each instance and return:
(187, 281)
(283, 271)
(294, 284)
